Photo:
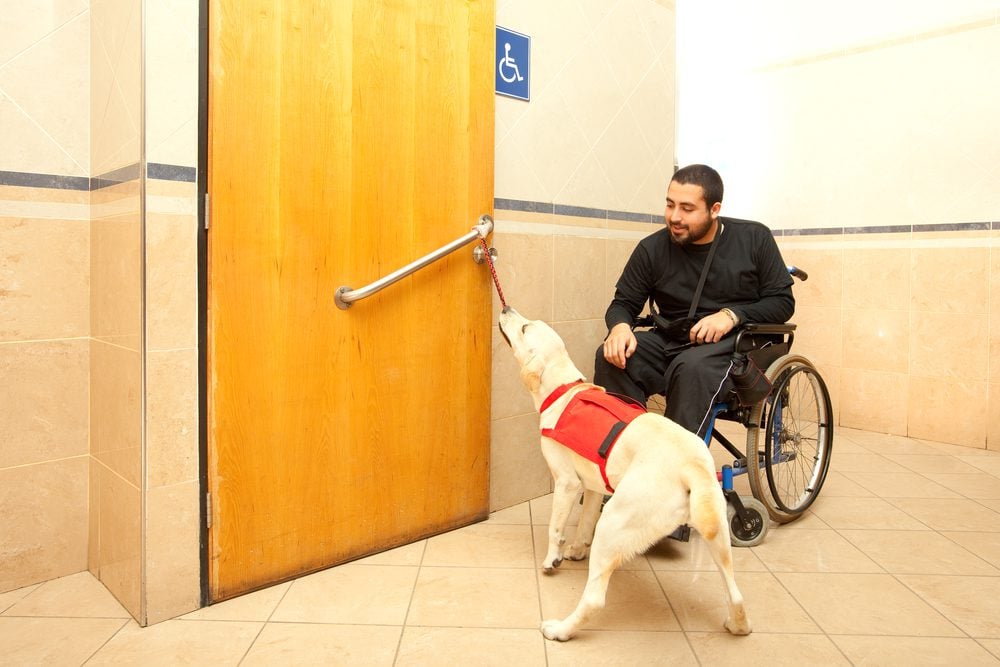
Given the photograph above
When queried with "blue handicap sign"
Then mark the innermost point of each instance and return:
(512, 62)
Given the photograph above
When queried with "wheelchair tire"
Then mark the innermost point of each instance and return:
(790, 439)
(748, 534)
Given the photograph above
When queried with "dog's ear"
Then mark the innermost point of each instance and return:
(531, 374)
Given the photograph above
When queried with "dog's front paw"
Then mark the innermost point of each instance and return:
(578, 551)
(550, 568)
(555, 630)
(740, 625)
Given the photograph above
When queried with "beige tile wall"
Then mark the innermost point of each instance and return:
(597, 133)
(172, 527)
(912, 319)
(116, 301)
(172, 520)
(44, 292)
(562, 272)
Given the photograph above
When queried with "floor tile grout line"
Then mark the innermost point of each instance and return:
(409, 604)
(100, 648)
(264, 624)
(931, 605)
(677, 617)
(69, 617)
(536, 566)
(970, 552)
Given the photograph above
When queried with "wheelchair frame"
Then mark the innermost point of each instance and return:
(792, 449)
(796, 449)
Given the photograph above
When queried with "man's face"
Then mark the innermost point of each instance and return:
(687, 216)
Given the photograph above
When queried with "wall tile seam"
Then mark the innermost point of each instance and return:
(103, 340)
(168, 350)
(876, 45)
(953, 380)
(96, 457)
(30, 464)
(38, 220)
(170, 485)
(519, 415)
(44, 340)
(45, 36)
(949, 379)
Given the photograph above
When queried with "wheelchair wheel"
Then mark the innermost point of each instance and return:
(790, 438)
(749, 533)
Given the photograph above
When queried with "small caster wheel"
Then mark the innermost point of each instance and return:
(751, 532)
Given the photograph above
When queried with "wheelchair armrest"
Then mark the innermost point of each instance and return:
(755, 327)
(786, 330)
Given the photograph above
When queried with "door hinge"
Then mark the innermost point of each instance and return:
(208, 211)
(208, 510)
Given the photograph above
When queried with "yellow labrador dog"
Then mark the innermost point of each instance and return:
(662, 475)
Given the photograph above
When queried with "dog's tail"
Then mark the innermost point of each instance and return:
(706, 500)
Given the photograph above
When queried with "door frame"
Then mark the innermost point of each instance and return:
(202, 194)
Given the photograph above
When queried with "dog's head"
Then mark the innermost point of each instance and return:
(540, 352)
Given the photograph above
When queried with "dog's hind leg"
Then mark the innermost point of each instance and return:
(622, 532)
(563, 496)
(584, 535)
(708, 517)
(603, 563)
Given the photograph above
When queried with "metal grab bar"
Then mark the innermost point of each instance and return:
(345, 296)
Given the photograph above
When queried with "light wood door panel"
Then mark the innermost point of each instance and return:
(347, 139)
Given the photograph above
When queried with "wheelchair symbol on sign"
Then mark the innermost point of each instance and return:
(508, 64)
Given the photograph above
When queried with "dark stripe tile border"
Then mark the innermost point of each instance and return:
(953, 227)
(49, 181)
(171, 172)
(634, 217)
(162, 172)
(125, 174)
(578, 211)
(819, 231)
(880, 229)
(581, 211)
(522, 205)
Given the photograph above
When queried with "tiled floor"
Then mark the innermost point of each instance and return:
(897, 564)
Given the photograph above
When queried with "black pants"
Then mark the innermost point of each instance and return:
(690, 378)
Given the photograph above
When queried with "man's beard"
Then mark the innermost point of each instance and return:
(693, 235)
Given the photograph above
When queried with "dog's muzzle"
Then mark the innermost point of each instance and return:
(506, 309)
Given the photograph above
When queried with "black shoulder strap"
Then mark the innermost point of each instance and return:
(704, 272)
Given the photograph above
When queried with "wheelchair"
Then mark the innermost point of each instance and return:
(789, 434)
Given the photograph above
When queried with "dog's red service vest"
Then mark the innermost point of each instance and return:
(591, 423)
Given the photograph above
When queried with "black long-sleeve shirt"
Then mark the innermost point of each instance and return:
(747, 275)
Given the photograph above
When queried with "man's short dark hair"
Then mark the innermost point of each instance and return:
(706, 177)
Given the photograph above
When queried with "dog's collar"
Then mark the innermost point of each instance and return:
(554, 396)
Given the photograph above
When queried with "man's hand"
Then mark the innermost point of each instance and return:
(709, 329)
(620, 344)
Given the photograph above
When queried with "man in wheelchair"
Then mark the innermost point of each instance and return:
(703, 275)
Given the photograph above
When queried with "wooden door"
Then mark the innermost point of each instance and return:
(347, 139)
